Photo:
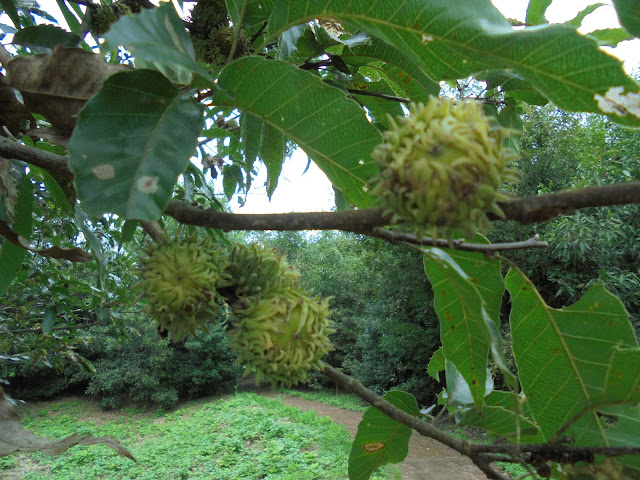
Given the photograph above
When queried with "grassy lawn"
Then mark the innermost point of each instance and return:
(242, 437)
(348, 401)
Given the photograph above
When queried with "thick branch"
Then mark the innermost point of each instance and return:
(51, 162)
(525, 210)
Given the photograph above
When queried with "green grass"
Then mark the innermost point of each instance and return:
(341, 400)
(242, 437)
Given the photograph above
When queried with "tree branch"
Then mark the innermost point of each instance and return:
(525, 210)
(379, 95)
(404, 238)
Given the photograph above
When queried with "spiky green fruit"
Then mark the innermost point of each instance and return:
(180, 280)
(105, 14)
(284, 336)
(441, 167)
(258, 271)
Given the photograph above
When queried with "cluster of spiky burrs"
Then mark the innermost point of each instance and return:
(441, 167)
(280, 331)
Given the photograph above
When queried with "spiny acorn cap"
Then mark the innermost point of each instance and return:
(283, 336)
(258, 271)
(441, 167)
(180, 279)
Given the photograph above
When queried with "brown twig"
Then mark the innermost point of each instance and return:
(379, 95)
(154, 230)
(404, 238)
(255, 36)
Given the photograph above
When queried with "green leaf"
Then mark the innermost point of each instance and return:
(464, 323)
(381, 440)
(256, 11)
(156, 37)
(378, 107)
(45, 36)
(288, 40)
(504, 414)
(410, 76)
(332, 129)
(458, 392)
(272, 152)
(629, 15)
(69, 17)
(251, 133)
(564, 355)
(80, 219)
(148, 130)
(10, 8)
(470, 36)
(128, 231)
(577, 20)
(610, 37)
(49, 320)
(53, 187)
(535, 12)
(509, 117)
(12, 256)
(436, 364)
(514, 86)
(485, 273)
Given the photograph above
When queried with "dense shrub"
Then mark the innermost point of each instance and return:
(143, 368)
(150, 369)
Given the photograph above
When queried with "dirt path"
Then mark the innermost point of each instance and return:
(427, 458)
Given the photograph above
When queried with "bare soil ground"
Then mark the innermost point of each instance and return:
(427, 458)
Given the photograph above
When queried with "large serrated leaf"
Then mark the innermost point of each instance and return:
(464, 323)
(381, 440)
(157, 37)
(457, 39)
(332, 129)
(565, 356)
(148, 130)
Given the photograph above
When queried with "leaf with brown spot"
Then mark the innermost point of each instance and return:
(58, 84)
(381, 440)
(15, 438)
(72, 254)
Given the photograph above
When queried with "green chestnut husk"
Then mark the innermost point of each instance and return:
(283, 337)
(442, 166)
(180, 280)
